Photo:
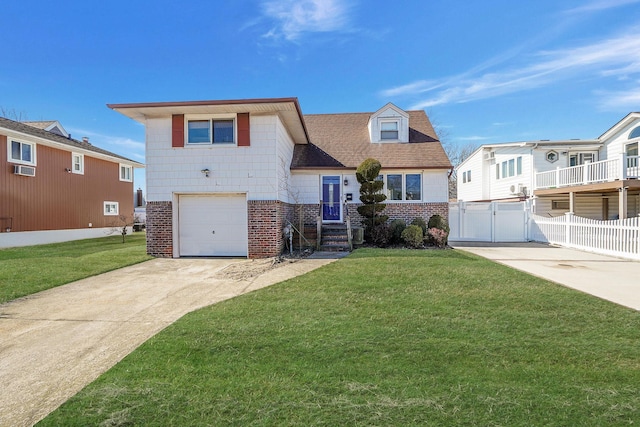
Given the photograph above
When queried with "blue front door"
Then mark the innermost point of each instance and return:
(331, 198)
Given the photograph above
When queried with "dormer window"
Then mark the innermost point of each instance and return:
(389, 130)
(389, 124)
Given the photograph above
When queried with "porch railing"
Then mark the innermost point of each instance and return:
(589, 173)
(319, 227)
(347, 219)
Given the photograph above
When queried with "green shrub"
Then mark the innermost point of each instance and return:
(380, 235)
(437, 237)
(412, 236)
(436, 221)
(420, 223)
(371, 196)
(396, 228)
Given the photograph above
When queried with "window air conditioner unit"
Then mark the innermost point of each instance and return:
(24, 170)
(490, 155)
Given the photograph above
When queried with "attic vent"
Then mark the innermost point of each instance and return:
(24, 170)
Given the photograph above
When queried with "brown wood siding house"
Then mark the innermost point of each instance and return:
(56, 197)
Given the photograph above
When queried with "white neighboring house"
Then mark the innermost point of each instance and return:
(592, 178)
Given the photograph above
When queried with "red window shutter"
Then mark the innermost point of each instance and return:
(243, 130)
(177, 130)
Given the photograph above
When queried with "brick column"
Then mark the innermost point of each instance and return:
(160, 229)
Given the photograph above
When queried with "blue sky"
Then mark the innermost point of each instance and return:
(484, 71)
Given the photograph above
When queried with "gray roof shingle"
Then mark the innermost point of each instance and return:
(345, 139)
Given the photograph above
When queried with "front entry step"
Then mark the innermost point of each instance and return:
(334, 238)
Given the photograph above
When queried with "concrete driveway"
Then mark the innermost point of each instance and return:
(54, 343)
(609, 278)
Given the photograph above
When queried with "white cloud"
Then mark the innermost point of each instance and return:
(473, 138)
(620, 100)
(295, 17)
(619, 56)
(599, 5)
(126, 147)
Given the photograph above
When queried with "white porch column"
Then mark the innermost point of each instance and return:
(622, 203)
(572, 202)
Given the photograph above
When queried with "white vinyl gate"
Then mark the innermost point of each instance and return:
(489, 221)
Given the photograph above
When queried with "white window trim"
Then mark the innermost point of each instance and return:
(210, 117)
(123, 165)
(73, 164)
(110, 213)
(385, 177)
(21, 162)
(382, 121)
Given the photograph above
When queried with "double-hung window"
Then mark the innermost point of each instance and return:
(389, 130)
(211, 131)
(126, 173)
(22, 152)
(77, 163)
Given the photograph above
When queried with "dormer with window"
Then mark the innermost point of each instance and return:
(389, 124)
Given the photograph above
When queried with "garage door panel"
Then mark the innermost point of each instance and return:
(212, 225)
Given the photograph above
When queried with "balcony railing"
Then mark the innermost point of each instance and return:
(622, 168)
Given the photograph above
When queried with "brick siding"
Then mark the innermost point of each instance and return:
(406, 211)
(160, 229)
(267, 219)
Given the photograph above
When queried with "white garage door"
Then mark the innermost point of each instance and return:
(212, 225)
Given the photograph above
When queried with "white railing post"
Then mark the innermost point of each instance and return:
(557, 176)
(585, 172)
(623, 168)
(567, 231)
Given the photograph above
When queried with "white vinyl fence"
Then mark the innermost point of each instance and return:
(488, 221)
(619, 237)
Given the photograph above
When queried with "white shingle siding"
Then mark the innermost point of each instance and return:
(254, 169)
(435, 186)
(616, 145)
(284, 155)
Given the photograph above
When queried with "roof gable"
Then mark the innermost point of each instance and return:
(393, 116)
(621, 126)
(52, 126)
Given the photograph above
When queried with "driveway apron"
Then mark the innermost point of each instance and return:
(613, 279)
(54, 343)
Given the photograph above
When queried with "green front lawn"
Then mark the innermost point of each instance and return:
(383, 337)
(31, 269)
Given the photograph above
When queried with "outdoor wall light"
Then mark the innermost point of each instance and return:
(346, 182)
(206, 172)
(68, 170)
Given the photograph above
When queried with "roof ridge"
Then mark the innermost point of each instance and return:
(54, 137)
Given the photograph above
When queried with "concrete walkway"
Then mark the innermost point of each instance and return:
(54, 343)
(609, 278)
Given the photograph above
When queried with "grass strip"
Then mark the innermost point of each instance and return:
(31, 269)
